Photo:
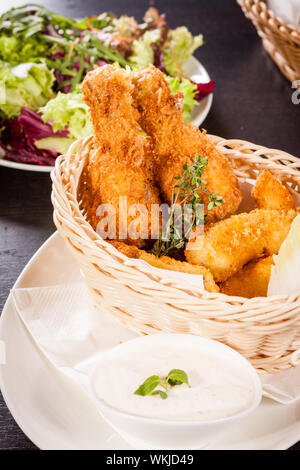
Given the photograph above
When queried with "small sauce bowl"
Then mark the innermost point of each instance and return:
(152, 433)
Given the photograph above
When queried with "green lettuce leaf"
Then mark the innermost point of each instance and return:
(16, 51)
(142, 51)
(179, 48)
(56, 144)
(68, 110)
(104, 21)
(25, 85)
(189, 90)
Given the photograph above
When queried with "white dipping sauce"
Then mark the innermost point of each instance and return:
(221, 385)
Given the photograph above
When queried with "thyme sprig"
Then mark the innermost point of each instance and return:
(187, 194)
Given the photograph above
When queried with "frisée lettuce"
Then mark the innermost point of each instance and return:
(67, 110)
(178, 48)
(142, 49)
(189, 90)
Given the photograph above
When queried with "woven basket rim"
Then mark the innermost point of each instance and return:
(293, 30)
(148, 271)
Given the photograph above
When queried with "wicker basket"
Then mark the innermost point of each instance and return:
(265, 330)
(281, 41)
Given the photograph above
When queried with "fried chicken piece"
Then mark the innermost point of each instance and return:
(176, 143)
(270, 193)
(251, 281)
(120, 164)
(168, 263)
(228, 245)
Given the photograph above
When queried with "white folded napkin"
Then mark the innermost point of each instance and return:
(288, 10)
(283, 387)
(194, 279)
(67, 328)
(72, 334)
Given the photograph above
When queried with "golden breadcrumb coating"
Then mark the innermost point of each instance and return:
(251, 281)
(176, 143)
(120, 164)
(168, 263)
(270, 193)
(228, 245)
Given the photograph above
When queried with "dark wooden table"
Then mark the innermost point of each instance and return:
(252, 101)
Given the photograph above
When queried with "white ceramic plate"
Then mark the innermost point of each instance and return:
(53, 414)
(192, 67)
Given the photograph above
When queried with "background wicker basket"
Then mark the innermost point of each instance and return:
(265, 330)
(281, 41)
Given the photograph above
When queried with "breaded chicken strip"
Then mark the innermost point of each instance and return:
(120, 164)
(168, 263)
(228, 245)
(251, 281)
(176, 143)
(270, 193)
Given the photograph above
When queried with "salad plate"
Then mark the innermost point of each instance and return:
(193, 69)
(44, 58)
(55, 415)
(25, 166)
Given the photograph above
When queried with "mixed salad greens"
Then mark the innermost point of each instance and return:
(43, 60)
